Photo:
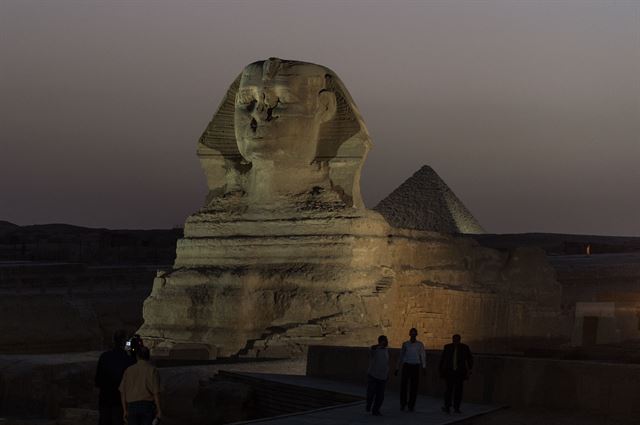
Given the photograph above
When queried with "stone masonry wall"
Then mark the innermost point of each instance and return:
(492, 322)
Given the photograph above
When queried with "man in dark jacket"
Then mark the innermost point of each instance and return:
(455, 367)
(377, 375)
(111, 367)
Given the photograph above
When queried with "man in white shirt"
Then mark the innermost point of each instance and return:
(377, 375)
(412, 357)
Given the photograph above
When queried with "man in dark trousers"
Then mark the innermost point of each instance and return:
(377, 375)
(111, 367)
(412, 357)
(455, 367)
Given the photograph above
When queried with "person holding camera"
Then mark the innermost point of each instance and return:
(111, 367)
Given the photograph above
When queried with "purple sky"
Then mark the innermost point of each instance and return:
(529, 110)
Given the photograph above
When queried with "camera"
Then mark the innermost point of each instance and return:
(133, 344)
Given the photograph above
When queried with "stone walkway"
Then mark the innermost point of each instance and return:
(427, 410)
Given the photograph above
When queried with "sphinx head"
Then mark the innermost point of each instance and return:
(279, 116)
(279, 109)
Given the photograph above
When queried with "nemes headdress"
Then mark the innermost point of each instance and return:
(343, 141)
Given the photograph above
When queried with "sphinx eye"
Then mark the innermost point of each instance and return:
(245, 98)
(251, 105)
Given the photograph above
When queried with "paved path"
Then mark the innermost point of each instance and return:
(427, 410)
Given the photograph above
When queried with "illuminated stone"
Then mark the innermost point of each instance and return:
(284, 253)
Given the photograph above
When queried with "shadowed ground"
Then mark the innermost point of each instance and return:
(427, 410)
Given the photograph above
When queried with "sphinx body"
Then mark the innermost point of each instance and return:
(284, 253)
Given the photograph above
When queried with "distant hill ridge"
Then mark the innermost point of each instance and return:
(70, 243)
(6, 226)
(70, 228)
(66, 242)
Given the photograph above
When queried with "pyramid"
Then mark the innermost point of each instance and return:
(425, 202)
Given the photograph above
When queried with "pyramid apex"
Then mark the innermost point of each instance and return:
(425, 168)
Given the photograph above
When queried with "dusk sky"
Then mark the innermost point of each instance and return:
(529, 110)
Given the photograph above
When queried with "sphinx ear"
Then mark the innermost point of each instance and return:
(327, 105)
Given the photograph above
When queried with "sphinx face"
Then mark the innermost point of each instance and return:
(278, 113)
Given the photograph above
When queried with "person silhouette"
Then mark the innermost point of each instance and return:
(412, 357)
(140, 391)
(111, 366)
(377, 375)
(455, 367)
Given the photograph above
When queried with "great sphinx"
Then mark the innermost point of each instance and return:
(284, 252)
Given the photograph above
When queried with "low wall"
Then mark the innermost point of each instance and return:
(516, 381)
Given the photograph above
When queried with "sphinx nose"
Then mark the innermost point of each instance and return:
(263, 110)
(259, 111)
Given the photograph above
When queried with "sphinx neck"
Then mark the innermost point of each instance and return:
(270, 181)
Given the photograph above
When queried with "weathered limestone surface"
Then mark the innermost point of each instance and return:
(284, 254)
